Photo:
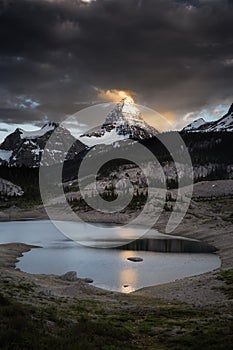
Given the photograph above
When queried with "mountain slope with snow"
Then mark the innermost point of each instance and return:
(26, 148)
(225, 123)
(195, 125)
(123, 122)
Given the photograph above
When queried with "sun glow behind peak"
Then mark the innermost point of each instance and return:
(128, 100)
(116, 95)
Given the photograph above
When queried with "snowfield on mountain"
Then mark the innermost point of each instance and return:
(124, 122)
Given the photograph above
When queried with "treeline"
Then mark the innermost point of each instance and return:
(204, 148)
(211, 147)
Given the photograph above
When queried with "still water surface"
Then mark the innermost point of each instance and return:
(109, 268)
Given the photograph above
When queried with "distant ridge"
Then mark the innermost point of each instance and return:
(225, 123)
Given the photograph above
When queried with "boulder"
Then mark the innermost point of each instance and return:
(70, 276)
(88, 280)
(135, 259)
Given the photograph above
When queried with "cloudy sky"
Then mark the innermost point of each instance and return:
(59, 56)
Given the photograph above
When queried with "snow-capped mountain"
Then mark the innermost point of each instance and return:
(26, 148)
(225, 123)
(195, 125)
(125, 121)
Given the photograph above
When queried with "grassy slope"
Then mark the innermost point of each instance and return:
(130, 323)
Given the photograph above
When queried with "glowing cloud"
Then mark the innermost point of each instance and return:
(115, 95)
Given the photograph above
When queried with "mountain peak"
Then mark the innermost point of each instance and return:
(125, 121)
(128, 100)
(125, 110)
(50, 124)
(48, 127)
(195, 125)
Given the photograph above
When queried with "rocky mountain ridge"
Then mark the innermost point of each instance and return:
(26, 148)
(225, 123)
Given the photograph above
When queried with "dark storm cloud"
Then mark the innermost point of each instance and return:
(9, 115)
(176, 55)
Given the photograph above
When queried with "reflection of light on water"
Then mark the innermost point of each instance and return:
(127, 233)
(129, 276)
(124, 254)
(128, 280)
(127, 289)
